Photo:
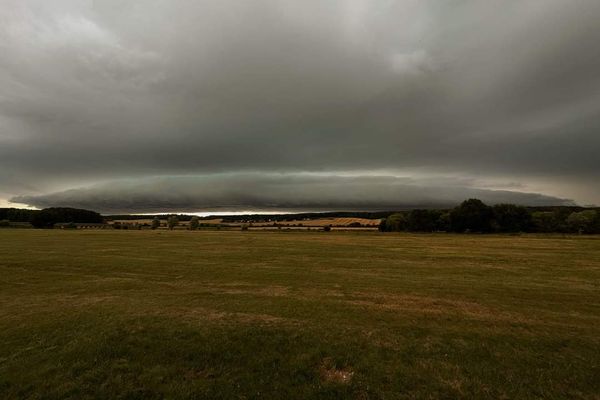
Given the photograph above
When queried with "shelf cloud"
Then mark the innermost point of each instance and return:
(277, 192)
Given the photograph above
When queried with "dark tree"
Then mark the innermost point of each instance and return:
(172, 222)
(472, 216)
(544, 221)
(511, 218)
(393, 223)
(587, 221)
(423, 220)
(550, 221)
(47, 217)
(194, 223)
(443, 222)
(17, 214)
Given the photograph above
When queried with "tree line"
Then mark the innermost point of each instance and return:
(475, 216)
(47, 217)
(470, 216)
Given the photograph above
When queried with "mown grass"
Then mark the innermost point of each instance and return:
(296, 315)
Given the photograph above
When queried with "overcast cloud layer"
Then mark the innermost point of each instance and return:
(195, 105)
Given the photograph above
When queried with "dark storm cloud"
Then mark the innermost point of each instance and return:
(252, 191)
(492, 91)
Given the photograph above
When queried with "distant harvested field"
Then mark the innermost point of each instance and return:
(214, 221)
(318, 222)
(147, 221)
(297, 315)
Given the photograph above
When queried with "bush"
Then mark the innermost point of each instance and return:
(155, 223)
(4, 223)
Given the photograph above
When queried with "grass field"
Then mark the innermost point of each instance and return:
(297, 315)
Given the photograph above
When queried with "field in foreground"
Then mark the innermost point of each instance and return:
(209, 314)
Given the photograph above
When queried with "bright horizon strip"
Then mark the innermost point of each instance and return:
(226, 213)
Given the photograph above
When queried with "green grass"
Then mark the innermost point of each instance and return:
(296, 315)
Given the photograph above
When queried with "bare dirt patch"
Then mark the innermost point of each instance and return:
(331, 373)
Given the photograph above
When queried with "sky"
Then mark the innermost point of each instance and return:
(181, 105)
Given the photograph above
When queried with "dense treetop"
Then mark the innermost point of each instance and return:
(473, 215)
